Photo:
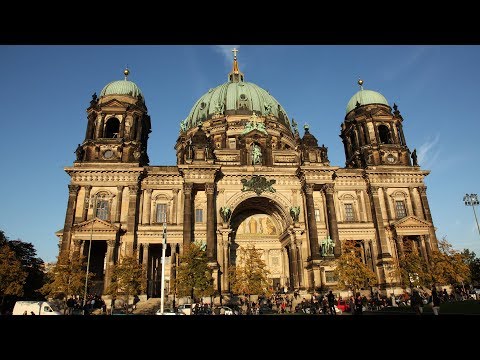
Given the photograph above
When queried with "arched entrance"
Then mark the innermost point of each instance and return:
(261, 222)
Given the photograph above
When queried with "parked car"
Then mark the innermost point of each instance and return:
(186, 309)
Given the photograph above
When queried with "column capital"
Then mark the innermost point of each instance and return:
(77, 242)
(111, 243)
(210, 188)
(88, 188)
(422, 190)
(149, 191)
(145, 245)
(120, 188)
(133, 188)
(73, 189)
(175, 191)
(187, 188)
(328, 188)
(373, 190)
(309, 188)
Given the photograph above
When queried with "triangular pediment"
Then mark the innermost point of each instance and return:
(410, 221)
(411, 225)
(381, 112)
(96, 225)
(256, 132)
(114, 103)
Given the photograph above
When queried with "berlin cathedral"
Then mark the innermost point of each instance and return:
(244, 176)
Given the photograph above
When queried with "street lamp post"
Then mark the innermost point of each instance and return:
(162, 285)
(472, 200)
(88, 201)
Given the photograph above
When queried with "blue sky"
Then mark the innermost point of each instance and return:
(46, 90)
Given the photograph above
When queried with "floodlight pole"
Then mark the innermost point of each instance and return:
(472, 200)
(162, 286)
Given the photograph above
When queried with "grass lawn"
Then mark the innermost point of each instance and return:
(457, 307)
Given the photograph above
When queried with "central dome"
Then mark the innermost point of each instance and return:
(235, 97)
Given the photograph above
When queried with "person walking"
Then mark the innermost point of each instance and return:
(331, 302)
(417, 302)
(435, 300)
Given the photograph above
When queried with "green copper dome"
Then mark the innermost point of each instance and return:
(122, 87)
(365, 97)
(232, 96)
(235, 97)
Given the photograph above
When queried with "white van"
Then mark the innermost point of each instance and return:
(35, 308)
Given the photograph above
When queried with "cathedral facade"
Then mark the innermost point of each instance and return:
(244, 176)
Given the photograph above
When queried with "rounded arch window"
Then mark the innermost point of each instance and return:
(384, 134)
(112, 128)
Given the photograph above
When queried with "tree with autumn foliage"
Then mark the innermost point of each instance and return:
(129, 277)
(448, 266)
(413, 267)
(12, 275)
(67, 277)
(250, 274)
(193, 276)
(473, 263)
(350, 271)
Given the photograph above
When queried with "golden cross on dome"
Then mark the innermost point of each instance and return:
(234, 52)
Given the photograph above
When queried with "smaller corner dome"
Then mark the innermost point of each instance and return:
(366, 97)
(122, 87)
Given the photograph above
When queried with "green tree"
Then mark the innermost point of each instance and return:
(250, 275)
(12, 275)
(128, 277)
(193, 277)
(32, 264)
(474, 264)
(67, 277)
(413, 268)
(350, 271)
(448, 266)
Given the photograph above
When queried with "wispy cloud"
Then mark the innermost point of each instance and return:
(428, 152)
(226, 51)
(399, 67)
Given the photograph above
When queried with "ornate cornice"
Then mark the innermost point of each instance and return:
(91, 176)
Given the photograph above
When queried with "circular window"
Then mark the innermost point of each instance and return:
(202, 105)
(243, 97)
(391, 158)
(108, 154)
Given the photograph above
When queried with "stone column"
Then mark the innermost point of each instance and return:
(145, 254)
(225, 261)
(119, 203)
(401, 252)
(368, 206)
(187, 213)
(110, 263)
(426, 210)
(411, 190)
(131, 218)
(286, 267)
(174, 205)
(69, 217)
(86, 203)
(147, 211)
(332, 219)
(387, 204)
(99, 129)
(312, 224)
(293, 256)
(298, 250)
(378, 222)
(424, 249)
(173, 266)
(211, 239)
(361, 205)
(76, 247)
